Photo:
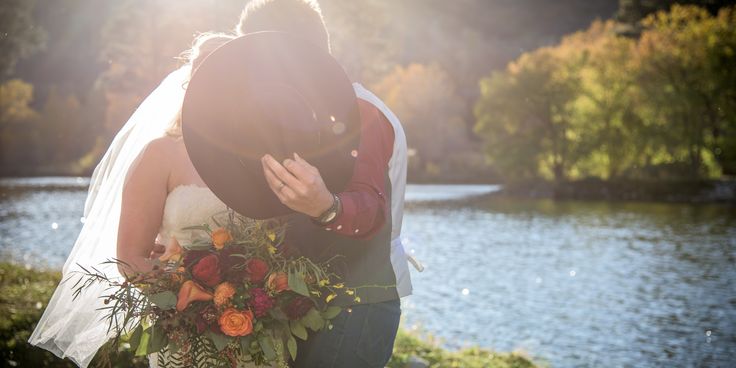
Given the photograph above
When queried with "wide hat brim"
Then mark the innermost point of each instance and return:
(275, 93)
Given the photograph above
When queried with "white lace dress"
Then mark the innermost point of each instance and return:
(187, 205)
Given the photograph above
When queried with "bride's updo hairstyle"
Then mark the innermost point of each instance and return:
(203, 45)
(300, 17)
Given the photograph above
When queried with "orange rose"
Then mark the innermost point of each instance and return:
(223, 293)
(278, 282)
(220, 237)
(236, 323)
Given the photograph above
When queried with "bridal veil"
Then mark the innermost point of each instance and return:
(77, 328)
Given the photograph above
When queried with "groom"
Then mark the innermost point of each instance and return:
(358, 229)
(361, 224)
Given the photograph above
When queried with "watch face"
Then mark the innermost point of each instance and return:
(330, 216)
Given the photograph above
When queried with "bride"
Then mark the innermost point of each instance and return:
(141, 194)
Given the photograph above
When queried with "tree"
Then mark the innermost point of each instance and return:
(19, 36)
(17, 128)
(424, 98)
(683, 56)
(602, 105)
(525, 115)
(361, 37)
(612, 136)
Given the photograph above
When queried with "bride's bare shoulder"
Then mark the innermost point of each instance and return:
(156, 159)
(162, 149)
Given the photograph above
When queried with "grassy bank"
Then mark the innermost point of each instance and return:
(25, 292)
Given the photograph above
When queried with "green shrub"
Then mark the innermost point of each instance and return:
(409, 344)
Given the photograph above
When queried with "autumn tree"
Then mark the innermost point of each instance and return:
(525, 115)
(602, 105)
(19, 35)
(424, 98)
(684, 56)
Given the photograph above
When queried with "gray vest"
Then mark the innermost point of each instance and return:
(361, 263)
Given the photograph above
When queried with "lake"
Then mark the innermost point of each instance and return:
(574, 284)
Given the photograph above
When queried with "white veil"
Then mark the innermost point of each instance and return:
(76, 329)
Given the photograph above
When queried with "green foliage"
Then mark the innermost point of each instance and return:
(432, 114)
(19, 37)
(24, 293)
(409, 345)
(606, 106)
(525, 115)
(108, 55)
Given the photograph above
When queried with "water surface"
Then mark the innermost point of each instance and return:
(578, 284)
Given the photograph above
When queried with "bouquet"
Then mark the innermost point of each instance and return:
(236, 296)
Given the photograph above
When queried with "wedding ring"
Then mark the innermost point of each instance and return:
(281, 185)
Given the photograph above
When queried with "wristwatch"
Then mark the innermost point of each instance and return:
(331, 213)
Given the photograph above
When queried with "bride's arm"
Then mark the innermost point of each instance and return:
(141, 212)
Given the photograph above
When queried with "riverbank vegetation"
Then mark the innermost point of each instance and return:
(25, 292)
(488, 92)
(72, 71)
(601, 104)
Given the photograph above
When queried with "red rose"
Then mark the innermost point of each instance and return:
(192, 256)
(207, 270)
(257, 269)
(298, 307)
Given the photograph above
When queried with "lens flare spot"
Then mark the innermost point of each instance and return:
(338, 128)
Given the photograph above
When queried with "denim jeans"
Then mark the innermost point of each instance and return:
(362, 336)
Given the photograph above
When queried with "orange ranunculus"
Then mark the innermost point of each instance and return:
(236, 323)
(172, 252)
(191, 292)
(223, 293)
(278, 282)
(220, 237)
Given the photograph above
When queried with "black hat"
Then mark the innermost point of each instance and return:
(268, 92)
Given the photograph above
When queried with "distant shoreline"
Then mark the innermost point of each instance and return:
(721, 191)
(670, 191)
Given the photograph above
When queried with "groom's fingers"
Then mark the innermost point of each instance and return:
(285, 194)
(305, 163)
(281, 173)
(301, 171)
(273, 182)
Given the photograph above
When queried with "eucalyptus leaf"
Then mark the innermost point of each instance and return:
(219, 340)
(297, 284)
(135, 338)
(245, 342)
(291, 345)
(266, 344)
(313, 320)
(165, 300)
(157, 341)
(278, 314)
(331, 312)
(298, 329)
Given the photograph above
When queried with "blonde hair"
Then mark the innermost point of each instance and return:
(203, 45)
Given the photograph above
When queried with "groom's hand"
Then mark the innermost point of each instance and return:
(298, 185)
